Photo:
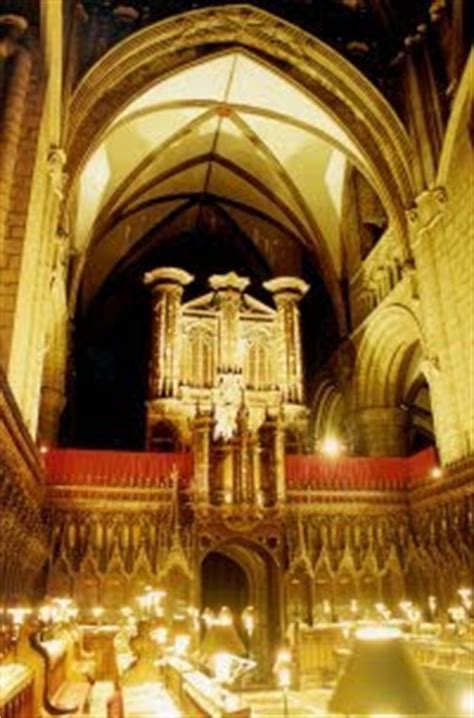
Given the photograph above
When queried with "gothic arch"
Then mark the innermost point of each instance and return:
(343, 93)
(382, 356)
(262, 573)
(327, 411)
(159, 49)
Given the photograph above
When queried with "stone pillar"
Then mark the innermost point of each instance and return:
(15, 91)
(229, 288)
(202, 454)
(424, 118)
(447, 358)
(53, 383)
(382, 431)
(241, 458)
(53, 399)
(255, 482)
(167, 285)
(287, 293)
(272, 457)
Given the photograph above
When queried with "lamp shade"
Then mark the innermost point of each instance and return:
(222, 638)
(382, 677)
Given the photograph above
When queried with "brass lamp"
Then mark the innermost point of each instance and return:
(222, 637)
(381, 677)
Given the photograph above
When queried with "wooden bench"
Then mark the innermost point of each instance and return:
(16, 691)
(66, 690)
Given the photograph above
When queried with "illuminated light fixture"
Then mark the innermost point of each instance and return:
(160, 635)
(208, 617)
(354, 607)
(18, 615)
(282, 670)
(467, 703)
(181, 643)
(248, 620)
(222, 663)
(222, 637)
(436, 472)
(43, 449)
(466, 598)
(381, 677)
(98, 613)
(331, 447)
(377, 633)
(225, 617)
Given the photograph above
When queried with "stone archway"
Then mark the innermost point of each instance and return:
(373, 136)
(254, 575)
(389, 350)
(223, 583)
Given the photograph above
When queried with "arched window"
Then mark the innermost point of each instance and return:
(164, 438)
(199, 359)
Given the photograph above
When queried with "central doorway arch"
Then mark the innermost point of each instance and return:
(239, 574)
(224, 583)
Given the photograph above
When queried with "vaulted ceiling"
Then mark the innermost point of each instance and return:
(230, 132)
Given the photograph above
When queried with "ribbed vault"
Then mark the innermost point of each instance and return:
(157, 131)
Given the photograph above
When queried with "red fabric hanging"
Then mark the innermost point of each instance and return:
(355, 473)
(85, 467)
(126, 468)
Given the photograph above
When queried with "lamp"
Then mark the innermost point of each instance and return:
(248, 622)
(222, 637)
(12, 635)
(382, 677)
(331, 447)
(282, 670)
(98, 613)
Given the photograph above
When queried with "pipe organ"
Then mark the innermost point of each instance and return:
(226, 381)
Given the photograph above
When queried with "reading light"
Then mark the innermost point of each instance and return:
(381, 677)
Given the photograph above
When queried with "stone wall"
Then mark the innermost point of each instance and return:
(23, 539)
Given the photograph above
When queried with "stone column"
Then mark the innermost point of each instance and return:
(272, 457)
(202, 454)
(287, 293)
(16, 88)
(447, 358)
(382, 431)
(241, 458)
(254, 483)
(167, 285)
(53, 383)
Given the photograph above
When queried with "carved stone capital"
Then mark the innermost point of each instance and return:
(430, 205)
(167, 279)
(12, 27)
(56, 161)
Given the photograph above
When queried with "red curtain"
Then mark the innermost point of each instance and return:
(422, 464)
(352, 473)
(126, 468)
(120, 468)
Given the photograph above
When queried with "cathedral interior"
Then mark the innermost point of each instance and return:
(236, 359)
